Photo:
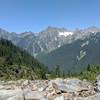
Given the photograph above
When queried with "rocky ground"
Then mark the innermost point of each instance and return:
(57, 89)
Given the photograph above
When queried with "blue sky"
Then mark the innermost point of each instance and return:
(36, 15)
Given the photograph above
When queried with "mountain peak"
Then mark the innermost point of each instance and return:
(55, 28)
(24, 34)
(92, 29)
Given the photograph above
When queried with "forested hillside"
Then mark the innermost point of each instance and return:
(16, 63)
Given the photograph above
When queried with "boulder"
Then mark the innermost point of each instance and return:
(94, 97)
(98, 83)
(33, 95)
(11, 94)
(34, 87)
(59, 98)
(70, 85)
(68, 96)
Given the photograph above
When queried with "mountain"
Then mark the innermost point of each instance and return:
(16, 63)
(74, 57)
(58, 45)
(47, 40)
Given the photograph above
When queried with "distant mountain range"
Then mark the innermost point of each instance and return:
(59, 46)
(47, 40)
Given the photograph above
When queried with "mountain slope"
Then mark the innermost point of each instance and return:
(74, 57)
(16, 63)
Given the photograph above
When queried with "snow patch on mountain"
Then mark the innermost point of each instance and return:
(65, 33)
(86, 43)
(81, 55)
(59, 46)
